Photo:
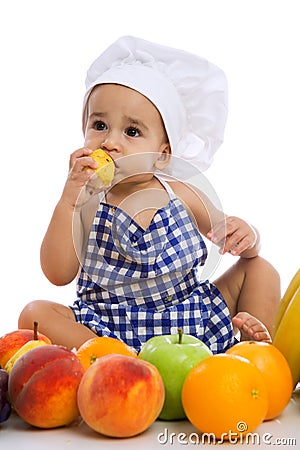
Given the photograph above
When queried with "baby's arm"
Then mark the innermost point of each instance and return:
(231, 234)
(59, 260)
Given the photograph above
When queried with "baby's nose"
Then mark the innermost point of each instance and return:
(111, 143)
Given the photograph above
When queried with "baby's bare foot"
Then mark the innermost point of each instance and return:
(251, 328)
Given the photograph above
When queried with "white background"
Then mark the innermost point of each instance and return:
(46, 48)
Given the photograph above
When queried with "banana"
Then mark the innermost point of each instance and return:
(24, 349)
(284, 303)
(287, 336)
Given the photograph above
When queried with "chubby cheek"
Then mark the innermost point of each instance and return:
(91, 142)
(137, 163)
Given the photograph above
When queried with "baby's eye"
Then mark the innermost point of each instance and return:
(133, 132)
(100, 126)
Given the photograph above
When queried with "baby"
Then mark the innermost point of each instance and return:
(136, 247)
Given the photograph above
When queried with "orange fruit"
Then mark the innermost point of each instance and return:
(225, 394)
(274, 368)
(99, 346)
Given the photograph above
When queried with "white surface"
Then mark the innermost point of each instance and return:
(281, 432)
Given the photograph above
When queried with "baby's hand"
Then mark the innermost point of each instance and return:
(235, 236)
(81, 169)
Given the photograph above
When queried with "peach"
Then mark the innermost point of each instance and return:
(43, 386)
(120, 396)
(11, 342)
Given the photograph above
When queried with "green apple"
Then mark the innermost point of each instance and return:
(174, 355)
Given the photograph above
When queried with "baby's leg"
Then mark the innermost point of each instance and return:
(251, 285)
(56, 321)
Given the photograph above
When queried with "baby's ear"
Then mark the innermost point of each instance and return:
(164, 157)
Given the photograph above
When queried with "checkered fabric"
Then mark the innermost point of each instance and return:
(135, 284)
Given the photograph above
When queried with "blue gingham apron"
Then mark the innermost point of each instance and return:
(135, 284)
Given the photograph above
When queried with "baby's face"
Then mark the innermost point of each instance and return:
(127, 126)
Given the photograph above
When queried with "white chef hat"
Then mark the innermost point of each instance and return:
(189, 92)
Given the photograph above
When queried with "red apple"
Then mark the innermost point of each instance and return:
(11, 342)
(120, 396)
(43, 385)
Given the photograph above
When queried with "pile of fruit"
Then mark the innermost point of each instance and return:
(120, 394)
(5, 408)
